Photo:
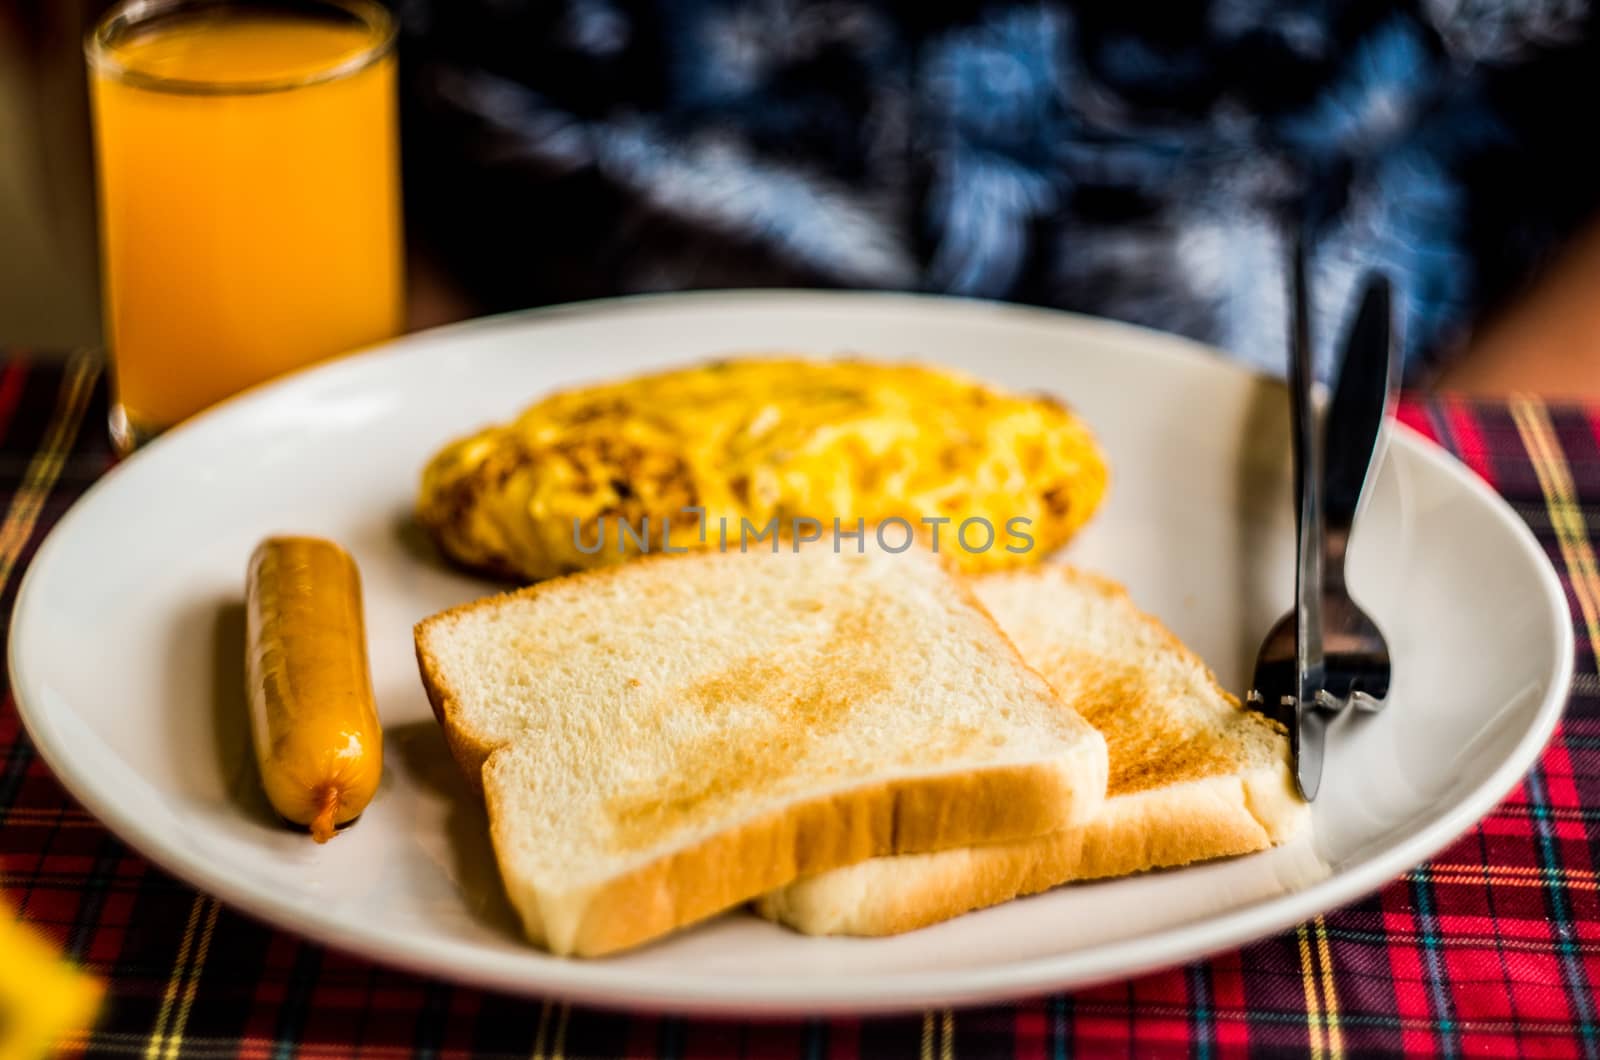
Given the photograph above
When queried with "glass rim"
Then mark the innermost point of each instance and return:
(97, 46)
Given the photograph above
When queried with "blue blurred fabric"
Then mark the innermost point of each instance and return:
(1136, 160)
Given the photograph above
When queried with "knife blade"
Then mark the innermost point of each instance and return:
(1360, 405)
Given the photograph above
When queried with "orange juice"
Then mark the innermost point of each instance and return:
(249, 197)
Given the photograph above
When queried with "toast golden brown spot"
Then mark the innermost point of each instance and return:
(1143, 756)
(773, 703)
(783, 706)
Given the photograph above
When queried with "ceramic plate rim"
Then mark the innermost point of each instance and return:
(614, 986)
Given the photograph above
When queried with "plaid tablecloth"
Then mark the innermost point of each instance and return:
(1491, 949)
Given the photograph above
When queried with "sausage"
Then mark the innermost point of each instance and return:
(312, 717)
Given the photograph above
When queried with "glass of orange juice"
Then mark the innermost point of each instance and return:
(249, 195)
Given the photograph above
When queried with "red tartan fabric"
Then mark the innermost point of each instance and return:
(1491, 949)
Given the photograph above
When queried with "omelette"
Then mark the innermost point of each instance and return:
(592, 476)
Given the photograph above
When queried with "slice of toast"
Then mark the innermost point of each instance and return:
(1193, 775)
(665, 739)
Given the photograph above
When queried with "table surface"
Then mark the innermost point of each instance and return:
(1493, 948)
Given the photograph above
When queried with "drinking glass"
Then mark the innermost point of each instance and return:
(249, 195)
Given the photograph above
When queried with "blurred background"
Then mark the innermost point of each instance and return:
(1136, 163)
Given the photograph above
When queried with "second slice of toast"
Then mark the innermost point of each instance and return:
(672, 737)
(1192, 774)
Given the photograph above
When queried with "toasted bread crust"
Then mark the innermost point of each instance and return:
(1167, 828)
(470, 754)
(907, 816)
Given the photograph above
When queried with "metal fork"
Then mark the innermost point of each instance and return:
(1344, 660)
(1355, 654)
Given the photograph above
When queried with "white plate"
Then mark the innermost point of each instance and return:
(125, 649)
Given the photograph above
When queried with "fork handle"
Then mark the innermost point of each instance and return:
(1310, 527)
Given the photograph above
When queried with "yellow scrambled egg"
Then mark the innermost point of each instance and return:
(709, 456)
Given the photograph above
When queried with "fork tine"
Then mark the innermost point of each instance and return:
(1366, 704)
